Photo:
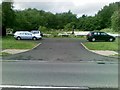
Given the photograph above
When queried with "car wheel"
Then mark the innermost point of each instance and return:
(111, 39)
(93, 39)
(34, 38)
(18, 38)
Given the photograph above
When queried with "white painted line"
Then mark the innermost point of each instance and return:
(36, 46)
(43, 87)
(22, 61)
(85, 47)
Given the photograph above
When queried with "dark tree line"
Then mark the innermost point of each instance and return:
(33, 18)
(29, 19)
(8, 16)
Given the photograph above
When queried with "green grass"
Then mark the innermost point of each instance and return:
(102, 45)
(4, 54)
(9, 42)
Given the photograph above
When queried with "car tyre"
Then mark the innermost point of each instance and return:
(93, 40)
(111, 40)
(18, 38)
(34, 38)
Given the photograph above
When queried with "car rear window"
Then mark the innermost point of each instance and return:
(95, 33)
(35, 32)
(21, 33)
(103, 33)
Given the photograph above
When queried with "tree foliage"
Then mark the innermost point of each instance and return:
(106, 13)
(29, 19)
(0, 20)
(116, 21)
(70, 26)
(8, 16)
(32, 18)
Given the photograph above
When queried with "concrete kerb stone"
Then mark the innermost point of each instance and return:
(85, 47)
(36, 46)
(101, 52)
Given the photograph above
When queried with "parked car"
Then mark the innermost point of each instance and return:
(26, 35)
(99, 36)
(37, 32)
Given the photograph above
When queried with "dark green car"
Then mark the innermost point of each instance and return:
(99, 36)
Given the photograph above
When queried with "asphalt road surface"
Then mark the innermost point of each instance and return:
(65, 49)
(32, 73)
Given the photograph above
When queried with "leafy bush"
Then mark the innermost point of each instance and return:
(42, 29)
(108, 30)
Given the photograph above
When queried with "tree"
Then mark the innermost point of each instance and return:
(65, 18)
(70, 26)
(8, 16)
(115, 19)
(106, 13)
(29, 19)
(86, 23)
(0, 20)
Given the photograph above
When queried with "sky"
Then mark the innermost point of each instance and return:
(79, 7)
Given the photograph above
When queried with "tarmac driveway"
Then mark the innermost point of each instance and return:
(59, 49)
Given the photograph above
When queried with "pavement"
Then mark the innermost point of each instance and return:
(14, 51)
(105, 52)
(37, 73)
(57, 49)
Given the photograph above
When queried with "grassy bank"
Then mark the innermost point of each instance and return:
(9, 42)
(108, 30)
(102, 45)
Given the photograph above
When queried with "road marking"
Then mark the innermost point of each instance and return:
(44, 87)
(85, 47)
(23, 61)
(36, 46)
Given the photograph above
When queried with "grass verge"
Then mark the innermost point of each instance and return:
(113, 46)
(4, 54)
(9, 42)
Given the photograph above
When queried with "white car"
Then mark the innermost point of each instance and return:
(26, 35)
(36, 32)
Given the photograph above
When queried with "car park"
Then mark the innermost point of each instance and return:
(99, 36)
(26, 35)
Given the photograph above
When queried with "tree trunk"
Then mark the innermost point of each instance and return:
(0, 31)
(3, 31)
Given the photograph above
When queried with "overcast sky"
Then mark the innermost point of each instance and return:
(79, 7)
